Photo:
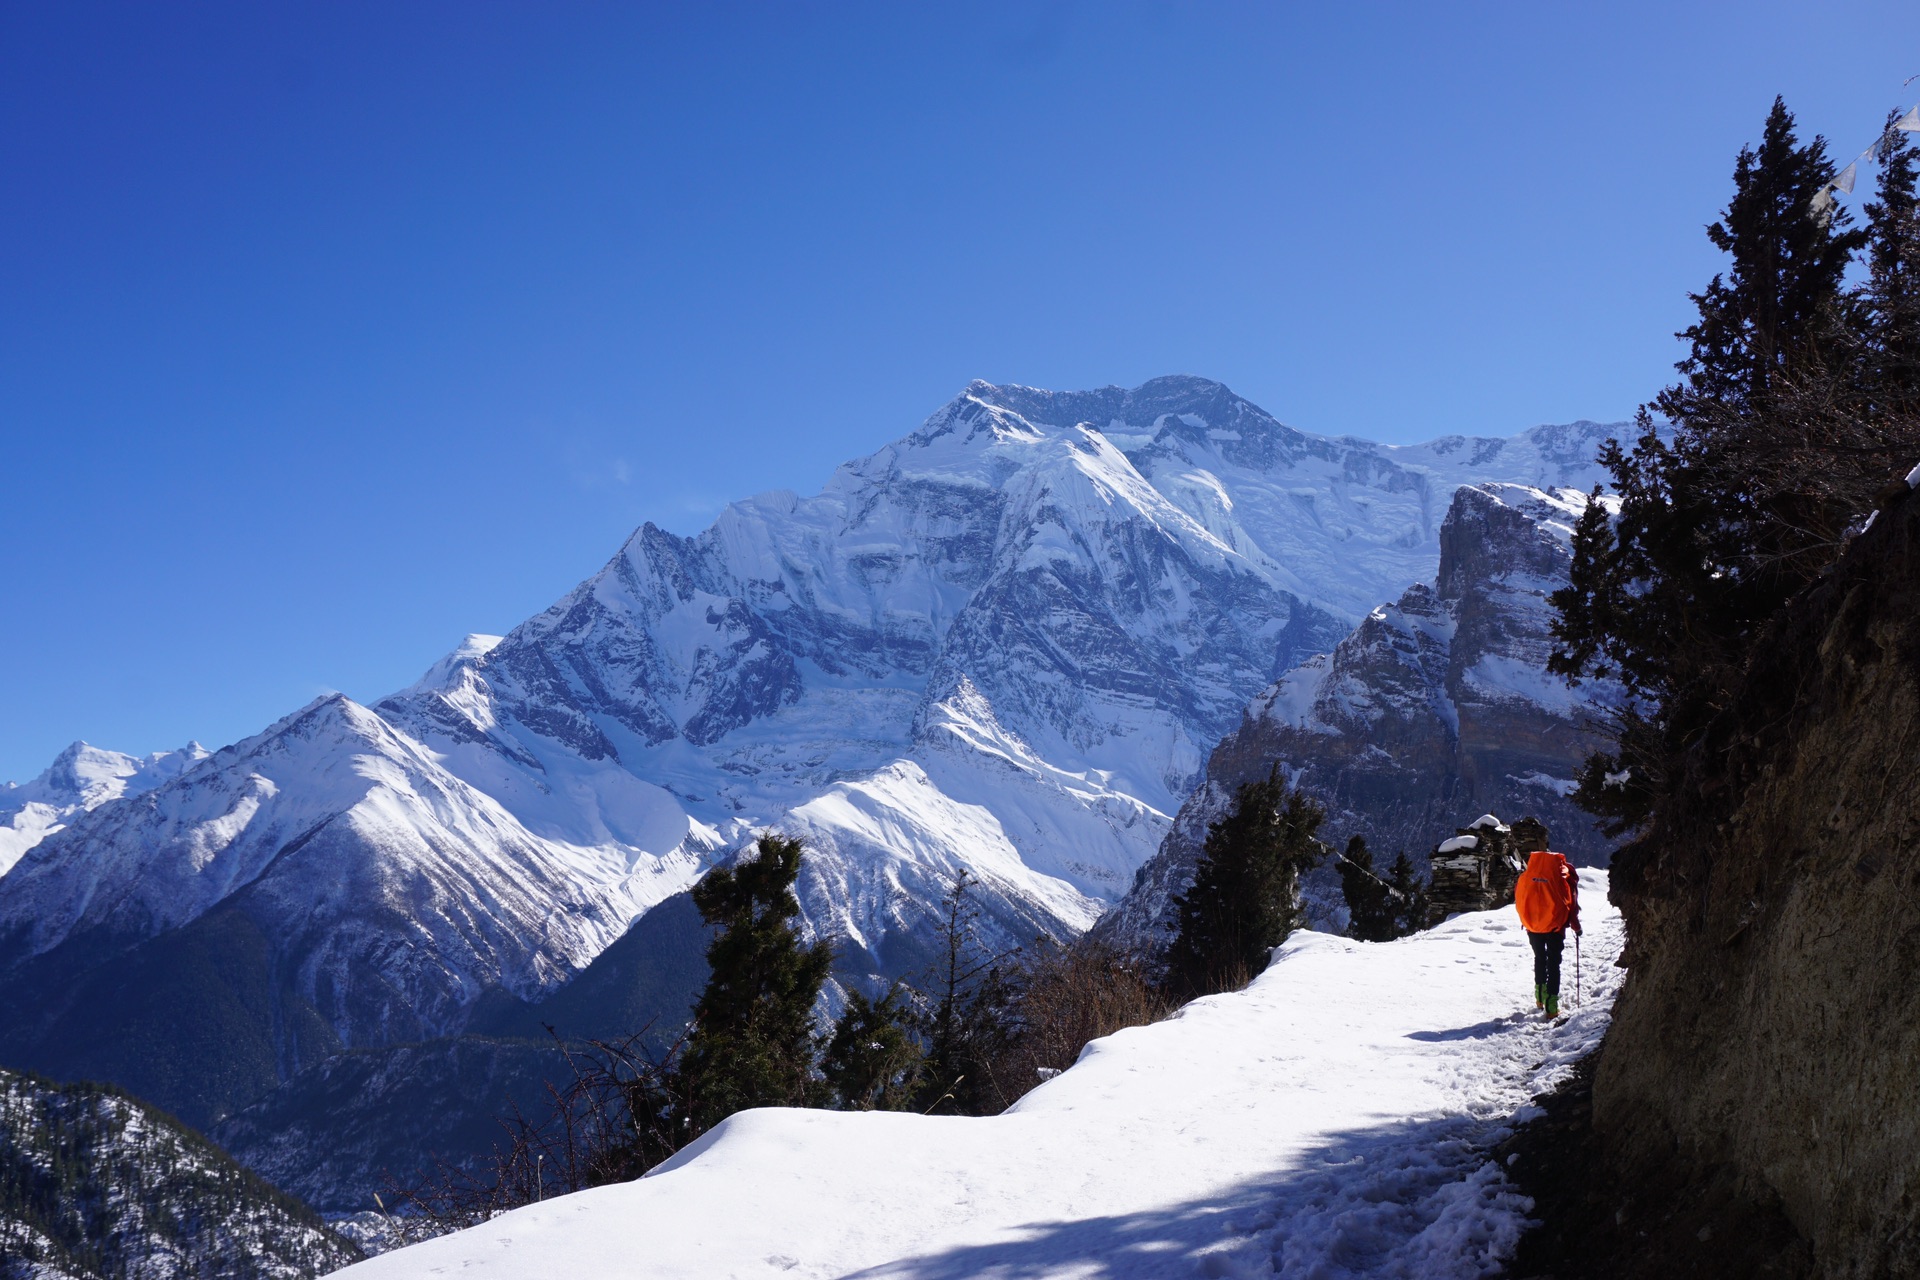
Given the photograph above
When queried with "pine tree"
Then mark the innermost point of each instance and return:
(1370, 902)
(752, 1039)
(1749, 498)
(1890, 297)
(1245, 895)
(968, 1023)
(1410, 902)
(1775, 314)
(872, 1061)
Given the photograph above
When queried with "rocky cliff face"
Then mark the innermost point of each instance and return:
(1769, 1029)
(1435, 709)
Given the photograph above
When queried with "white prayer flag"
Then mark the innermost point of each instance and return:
(1844, 179)
(1821, 199)
(1910, 122)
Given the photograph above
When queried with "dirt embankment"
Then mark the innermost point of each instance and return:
(1768, 1039)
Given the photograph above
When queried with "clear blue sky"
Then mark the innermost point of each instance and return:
(330, 332)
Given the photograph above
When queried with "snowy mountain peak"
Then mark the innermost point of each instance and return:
(84, 775)
(81, 778)
(449, 671)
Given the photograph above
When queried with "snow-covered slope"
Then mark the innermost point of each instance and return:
(346, 836)
(81, 778)
(1331, 1120)
(1004, 643)
(1436, 708)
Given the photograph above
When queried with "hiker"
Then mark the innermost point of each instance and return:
(1548, 899)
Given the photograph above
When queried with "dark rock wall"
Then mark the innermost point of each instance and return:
(1770, 1026)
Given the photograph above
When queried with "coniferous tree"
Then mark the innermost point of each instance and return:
(872, 1061)
(752, 1040)
(1774, 315)
(968, 1023)
(1748, 498)
(1410, 902)
(1245, 895)
(1370, 900)
(1889, 300)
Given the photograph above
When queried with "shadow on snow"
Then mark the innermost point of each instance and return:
(1413, 1198)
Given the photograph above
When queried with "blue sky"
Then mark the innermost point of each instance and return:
(331, 332)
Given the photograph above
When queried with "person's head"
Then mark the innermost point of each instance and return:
(1530, 835)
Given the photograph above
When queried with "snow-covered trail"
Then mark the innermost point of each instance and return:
(1328, 1121)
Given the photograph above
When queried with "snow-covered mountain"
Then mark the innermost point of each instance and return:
(322, 884)
(1004, 643)
(1436, 708)
(81, 778)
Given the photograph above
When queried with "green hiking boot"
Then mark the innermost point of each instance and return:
(1553, 1004)
(1539, 995)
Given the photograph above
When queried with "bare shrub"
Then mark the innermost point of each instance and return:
(1056, 999)
(620, 1113)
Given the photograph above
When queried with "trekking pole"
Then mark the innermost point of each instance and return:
(1576, 971)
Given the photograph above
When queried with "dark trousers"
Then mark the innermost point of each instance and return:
(1546, 958)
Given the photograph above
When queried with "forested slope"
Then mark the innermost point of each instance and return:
(96, 1185)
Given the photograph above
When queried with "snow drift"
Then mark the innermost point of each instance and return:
(1330, 1120)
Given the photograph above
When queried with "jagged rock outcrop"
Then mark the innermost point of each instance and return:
(94, 1185)
(1436, 708)
(1768, 1033)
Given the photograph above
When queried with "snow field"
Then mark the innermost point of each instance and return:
(1331, 1120)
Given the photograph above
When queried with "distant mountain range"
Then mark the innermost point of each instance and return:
(80, 779)
(1004, 644)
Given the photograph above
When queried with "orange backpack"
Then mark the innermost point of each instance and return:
(1544, 894)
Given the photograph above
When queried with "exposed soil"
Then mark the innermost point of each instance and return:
(1596, 1223)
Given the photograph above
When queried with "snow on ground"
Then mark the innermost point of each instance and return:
(1329, 1121)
